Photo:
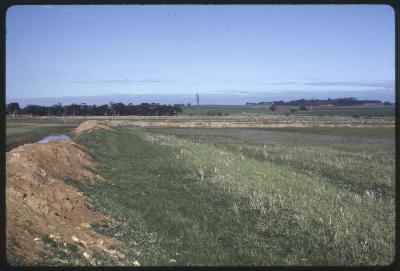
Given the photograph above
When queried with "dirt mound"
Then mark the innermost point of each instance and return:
(39, 202)
(90, 125)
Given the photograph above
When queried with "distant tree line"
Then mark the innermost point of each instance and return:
(327, 102)
(111, 109)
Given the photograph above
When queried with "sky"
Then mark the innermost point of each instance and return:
(228, 54)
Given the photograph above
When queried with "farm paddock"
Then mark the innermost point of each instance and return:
(197, 190)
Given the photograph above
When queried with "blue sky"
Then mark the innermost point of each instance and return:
(240, 52)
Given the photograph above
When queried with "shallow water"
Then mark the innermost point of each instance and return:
(52, 137)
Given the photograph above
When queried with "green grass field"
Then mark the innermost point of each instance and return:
(204, 197)
(20, 133)
(359, 111)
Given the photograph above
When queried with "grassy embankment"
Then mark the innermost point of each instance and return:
(21, 133)
(209, 201)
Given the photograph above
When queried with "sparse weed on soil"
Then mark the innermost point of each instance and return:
(60, 253)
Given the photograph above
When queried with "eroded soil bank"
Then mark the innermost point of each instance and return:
(44, 214)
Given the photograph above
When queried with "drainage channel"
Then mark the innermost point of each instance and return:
(53, 137)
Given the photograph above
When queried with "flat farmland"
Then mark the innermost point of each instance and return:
(366, 110)
(234, 121)
(230, 190)
(195, 136)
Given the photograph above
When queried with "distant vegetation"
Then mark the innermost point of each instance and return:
(329, 107)
(326, 102)
(112, 109)
(366, 110)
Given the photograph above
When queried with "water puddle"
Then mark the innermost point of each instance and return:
(53, 137)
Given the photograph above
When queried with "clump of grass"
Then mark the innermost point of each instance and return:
(105, 228)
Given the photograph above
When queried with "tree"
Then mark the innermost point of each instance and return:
(102, 110)
(56, 110)
(84, 109)
(198, 98)
(36, 110)
(13, 109)
(118, 108)
(303, 108)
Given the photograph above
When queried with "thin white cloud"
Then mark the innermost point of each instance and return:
(364, 83)
(123, 81)
(278, 83)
